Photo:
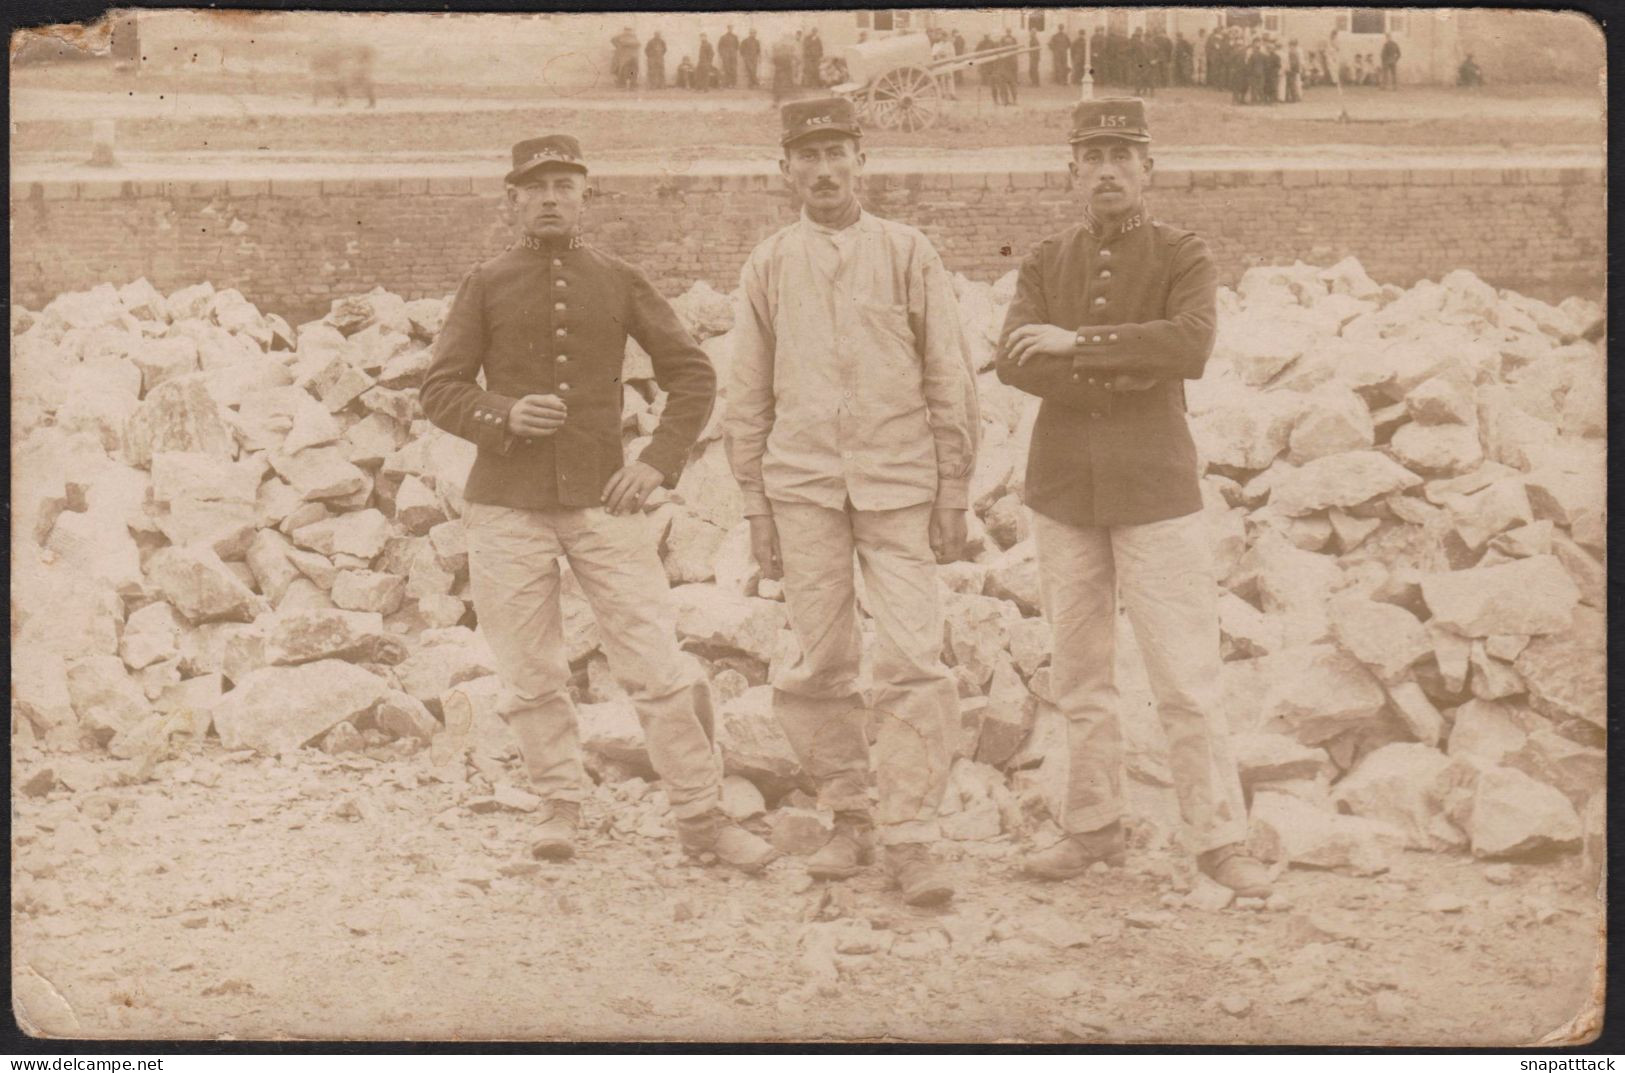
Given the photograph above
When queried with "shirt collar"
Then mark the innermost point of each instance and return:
(544, 245)
(1132, 222)
(860, 224)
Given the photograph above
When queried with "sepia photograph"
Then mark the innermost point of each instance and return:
(1053, 525)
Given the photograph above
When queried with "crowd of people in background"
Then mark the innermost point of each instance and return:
(731, 62)
(1254, 66)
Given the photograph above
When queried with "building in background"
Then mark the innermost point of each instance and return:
(565, 53)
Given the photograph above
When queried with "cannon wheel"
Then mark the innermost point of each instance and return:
(905, 98)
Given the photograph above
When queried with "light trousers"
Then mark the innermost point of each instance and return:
(513, 567)
(1164, 574)
(915, 700)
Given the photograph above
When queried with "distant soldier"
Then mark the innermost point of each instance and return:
(654, 54)
(812, 57)
(728, 53)
(625, 64)
(705, 70)
(1060, 47)
(1201, 56)
(750, 55)
(1162, 59)
(785, 51)
(1035, 53)
(1469, 74)
(685, 73)
(1140, 57)
(1008, 69)
(341, 70)
(1184, 67)
(959, 50)
(1390, 62)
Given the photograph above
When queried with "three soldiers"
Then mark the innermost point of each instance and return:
(852, 432)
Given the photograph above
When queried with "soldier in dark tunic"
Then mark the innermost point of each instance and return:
(1109, 319)
(546, 323)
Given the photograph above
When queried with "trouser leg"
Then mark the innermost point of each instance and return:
(618, 565)
(916, 701)
(1165, 574)
(816, 698)
(1078, 588)
(514, 577)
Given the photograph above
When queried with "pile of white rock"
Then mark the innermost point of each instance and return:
(225, 525)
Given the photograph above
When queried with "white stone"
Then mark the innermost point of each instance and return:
(177, 415)
(1013, 576)
(977, 633)
(691, 546)
(1386, 638)
(1343, 480)
(319, 473)
(1331, 420)
(39, 689)
(368, 590)
(1437, 448)
(200, 586)
(1512, 815)
(361, 534)
(1566, 672)
(301, 636)
(1529, 596)
(275, 710)
(164, 359)
(1289, 828)
(752, 741)
(105, 698)
(151, 635)
(1410, 702)
(1318, 691)
(1399, 784)
(709, 618)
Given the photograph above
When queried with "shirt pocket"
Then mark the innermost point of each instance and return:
(887, 357)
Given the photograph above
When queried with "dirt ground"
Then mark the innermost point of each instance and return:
(52, 109)
(320, 897)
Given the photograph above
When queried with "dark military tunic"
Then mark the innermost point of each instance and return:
(1145, 295)
(554, 319)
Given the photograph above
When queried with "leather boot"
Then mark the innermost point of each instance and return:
(713, 838)
(848, 850)
(555, 838)
(1232, 866)
(1073, 855)
(918, 876)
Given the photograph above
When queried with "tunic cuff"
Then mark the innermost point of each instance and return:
(756, 503)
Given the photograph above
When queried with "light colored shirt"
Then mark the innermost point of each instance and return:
(851, 378)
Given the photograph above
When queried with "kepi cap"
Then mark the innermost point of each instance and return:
(1110, 117)
(823, 115)
(532, 153)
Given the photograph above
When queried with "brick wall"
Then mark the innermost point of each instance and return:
(292, 246)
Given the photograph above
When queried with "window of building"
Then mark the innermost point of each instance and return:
(1247, 17)
(1117, 22)
(863, 18)
(1272, 21)
(883, 20)
(1035, 21)
(903, 19)
(1365, 20)
(1156, 22)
